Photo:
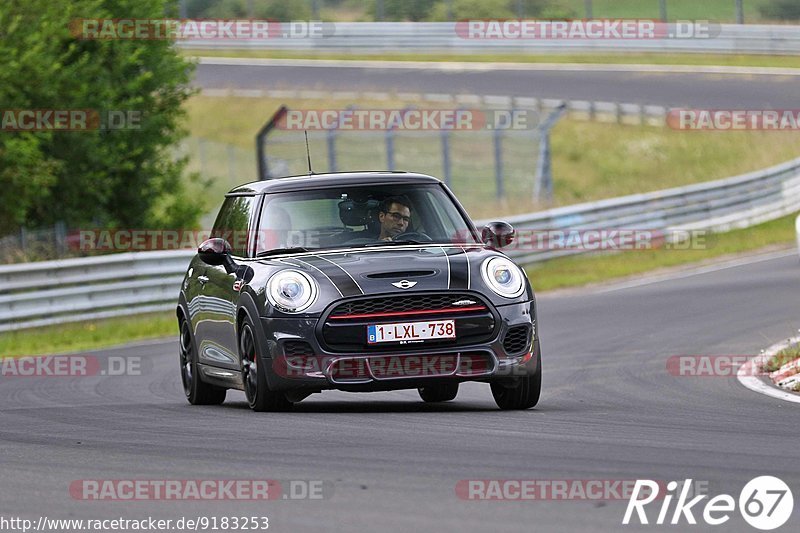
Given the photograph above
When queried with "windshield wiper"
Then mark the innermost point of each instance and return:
(276, 251)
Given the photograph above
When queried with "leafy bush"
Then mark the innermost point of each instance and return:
(121, 177)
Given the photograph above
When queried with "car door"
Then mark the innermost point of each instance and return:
(220, 293)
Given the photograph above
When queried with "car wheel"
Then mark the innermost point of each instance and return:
(197, 391)
(442, 392)
(254, 376)
(524, 395)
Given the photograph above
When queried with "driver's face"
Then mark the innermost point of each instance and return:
(395, 221)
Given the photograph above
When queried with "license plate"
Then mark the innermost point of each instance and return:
(411, 331)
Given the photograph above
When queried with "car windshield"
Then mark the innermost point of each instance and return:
(360, 216)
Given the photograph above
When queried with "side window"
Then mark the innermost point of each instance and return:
(232, 222)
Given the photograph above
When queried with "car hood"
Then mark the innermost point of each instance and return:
(396, 269)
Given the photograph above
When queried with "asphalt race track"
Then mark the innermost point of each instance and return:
(726, 91)
(609, 410)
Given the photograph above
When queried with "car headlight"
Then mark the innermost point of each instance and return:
(291, 291)
(503, 276)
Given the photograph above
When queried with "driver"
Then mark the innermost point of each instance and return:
(394, 216)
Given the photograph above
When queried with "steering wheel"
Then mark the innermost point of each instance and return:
(413, 236)
(357, 241)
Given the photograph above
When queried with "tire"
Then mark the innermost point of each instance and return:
(256, 389)
(525, 395)
(442, 392)
(197, 391)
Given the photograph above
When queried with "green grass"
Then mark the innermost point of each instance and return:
(591, 160)
(732, 60)
(87, 335)
(781, 358)
(716, 10)
(581, 270)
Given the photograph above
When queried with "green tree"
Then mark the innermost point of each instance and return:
(123, 178)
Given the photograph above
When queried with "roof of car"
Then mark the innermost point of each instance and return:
(332, 179)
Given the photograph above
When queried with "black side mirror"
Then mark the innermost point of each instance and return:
(216, 252)
(498, 234)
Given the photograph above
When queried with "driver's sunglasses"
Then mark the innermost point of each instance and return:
(397, 217)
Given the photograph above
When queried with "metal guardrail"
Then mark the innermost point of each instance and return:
(70, 290)
(51, 292)
(420, 37)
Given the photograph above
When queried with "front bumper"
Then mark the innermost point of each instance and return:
(392, 369)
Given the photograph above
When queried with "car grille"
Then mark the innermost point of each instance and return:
(407, 304)
(517, 339)
(297, 348)
(345, 326)
(387, 367)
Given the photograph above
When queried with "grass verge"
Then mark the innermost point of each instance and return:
(582, 270)
(88, 335)
(722, 60)
(781, 358)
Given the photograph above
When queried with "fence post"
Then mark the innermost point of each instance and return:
(498, 163)
(390, 149)
(331, 135)
(588, 5)
(390, 141)
(662, 8)
(23, 240)
(202, 149)
(446, 170)
(739, 12)
(544, 174)
(61, 238)
(231, 164)
(261, 139)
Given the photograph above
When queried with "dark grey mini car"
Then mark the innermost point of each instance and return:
(363, 281)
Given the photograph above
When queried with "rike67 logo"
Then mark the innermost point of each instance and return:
(765, 503)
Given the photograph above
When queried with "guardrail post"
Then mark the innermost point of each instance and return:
(739, 12)
(662, 8)
(588, 5)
